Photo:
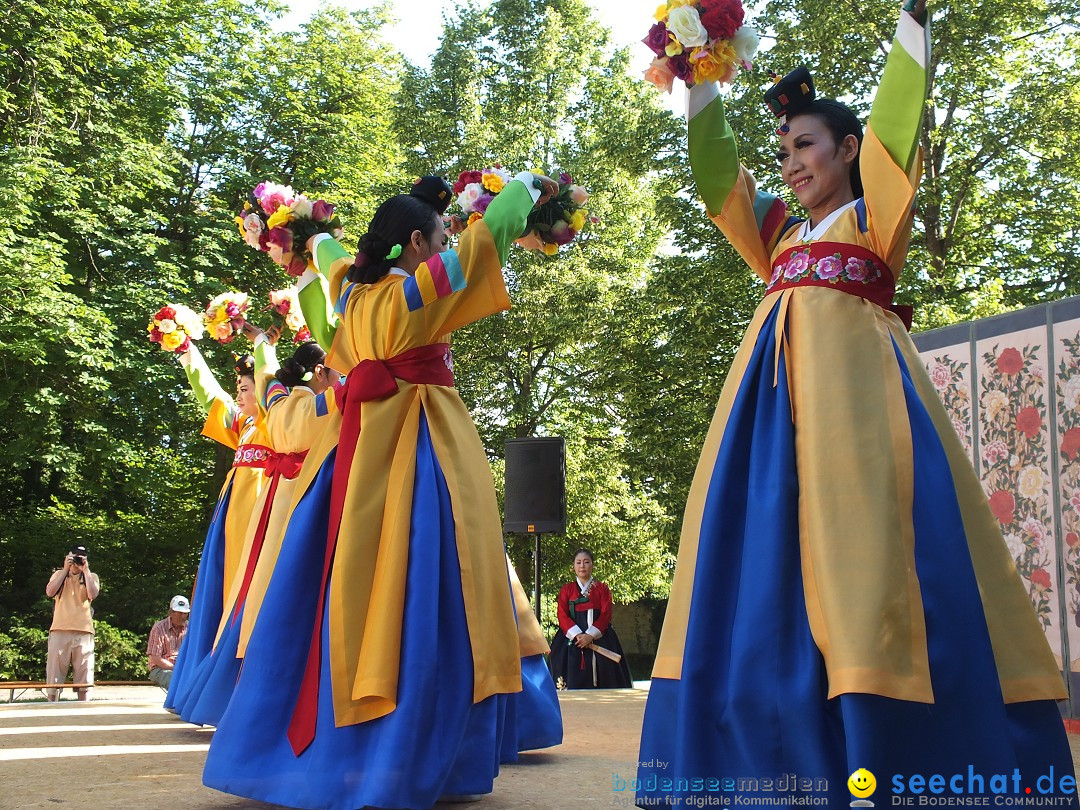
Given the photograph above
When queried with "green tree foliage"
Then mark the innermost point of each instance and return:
(128, 136)
(502, 88)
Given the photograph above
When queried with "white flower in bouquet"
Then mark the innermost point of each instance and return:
(685, 23)
(745, 44)
(302, 207)
(253, 228)
(467, 199)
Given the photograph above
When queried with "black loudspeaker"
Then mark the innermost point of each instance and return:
(535, 486)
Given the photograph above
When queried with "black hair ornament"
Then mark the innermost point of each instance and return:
(790, 95)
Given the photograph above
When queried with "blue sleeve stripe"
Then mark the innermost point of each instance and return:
(413, 298)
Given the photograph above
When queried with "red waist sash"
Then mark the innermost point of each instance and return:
(839, 266)
(278, 466)
(370, 380)
(252, 455)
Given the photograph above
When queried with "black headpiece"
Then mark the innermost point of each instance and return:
(790, 95)
(433, 190)
(245, 365)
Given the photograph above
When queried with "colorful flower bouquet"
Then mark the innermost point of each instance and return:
(549, 226)
(286, 304)
(699, 41)
(174, 326)
(279, 221)
(225, 316)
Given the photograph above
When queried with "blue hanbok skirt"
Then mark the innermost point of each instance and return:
(205, 610)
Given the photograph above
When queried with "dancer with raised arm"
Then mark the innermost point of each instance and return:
(843, 597)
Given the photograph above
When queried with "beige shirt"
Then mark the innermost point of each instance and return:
(71, 606)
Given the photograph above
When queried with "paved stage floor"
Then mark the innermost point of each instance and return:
(122, 751)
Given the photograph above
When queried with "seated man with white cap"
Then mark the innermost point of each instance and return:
(164, 643)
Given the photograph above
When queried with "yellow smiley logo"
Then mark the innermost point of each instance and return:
(862, 783)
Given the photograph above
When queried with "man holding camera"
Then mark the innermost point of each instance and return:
(71, 636)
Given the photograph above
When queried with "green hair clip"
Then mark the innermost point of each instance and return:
(395, 251)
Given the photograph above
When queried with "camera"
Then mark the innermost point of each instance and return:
(78, 559)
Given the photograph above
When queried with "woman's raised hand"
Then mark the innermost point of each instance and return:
(548, 189)
(916, 8)
(251, 331)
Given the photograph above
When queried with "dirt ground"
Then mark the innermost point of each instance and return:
(122, 750)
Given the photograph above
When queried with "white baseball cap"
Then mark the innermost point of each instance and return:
(180, 604)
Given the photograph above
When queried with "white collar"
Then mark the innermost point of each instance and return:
(296, 388)
(397, 271)
(583, 586)
(807, 235)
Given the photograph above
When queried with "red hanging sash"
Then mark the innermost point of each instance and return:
(278, 466)
(839, 266)
(368, 381)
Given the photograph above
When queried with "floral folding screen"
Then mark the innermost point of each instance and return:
(1011, 385)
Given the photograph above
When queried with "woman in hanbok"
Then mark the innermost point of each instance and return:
(584, 608)
(387, 638)
(293, 401)
(234, 423)
(843, 597)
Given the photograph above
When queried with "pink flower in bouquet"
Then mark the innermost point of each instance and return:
(303, 335)
(658, 39)
(183, 347)
(561, 233)
(322, 211)
(155, 335)
(296, 266)
(578, 195)
(482, 203)
(223, 332)
(280, 237)
(681, 67)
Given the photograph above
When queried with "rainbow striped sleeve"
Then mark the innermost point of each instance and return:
(434, 279)
(275, 393)
(890, 160)
(751, 219)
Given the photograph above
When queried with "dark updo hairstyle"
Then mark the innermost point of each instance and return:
(794, 95)
(304, 359)
(584, 550)
(244, 365)
(393, 224)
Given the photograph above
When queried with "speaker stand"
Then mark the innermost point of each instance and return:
(536, 578)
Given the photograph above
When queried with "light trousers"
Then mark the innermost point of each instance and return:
(70, 647)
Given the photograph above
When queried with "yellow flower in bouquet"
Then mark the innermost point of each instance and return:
(283, 216)
(493, 183)
(550, 249)
(577, 221)
(171, 340)
(713, 64)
